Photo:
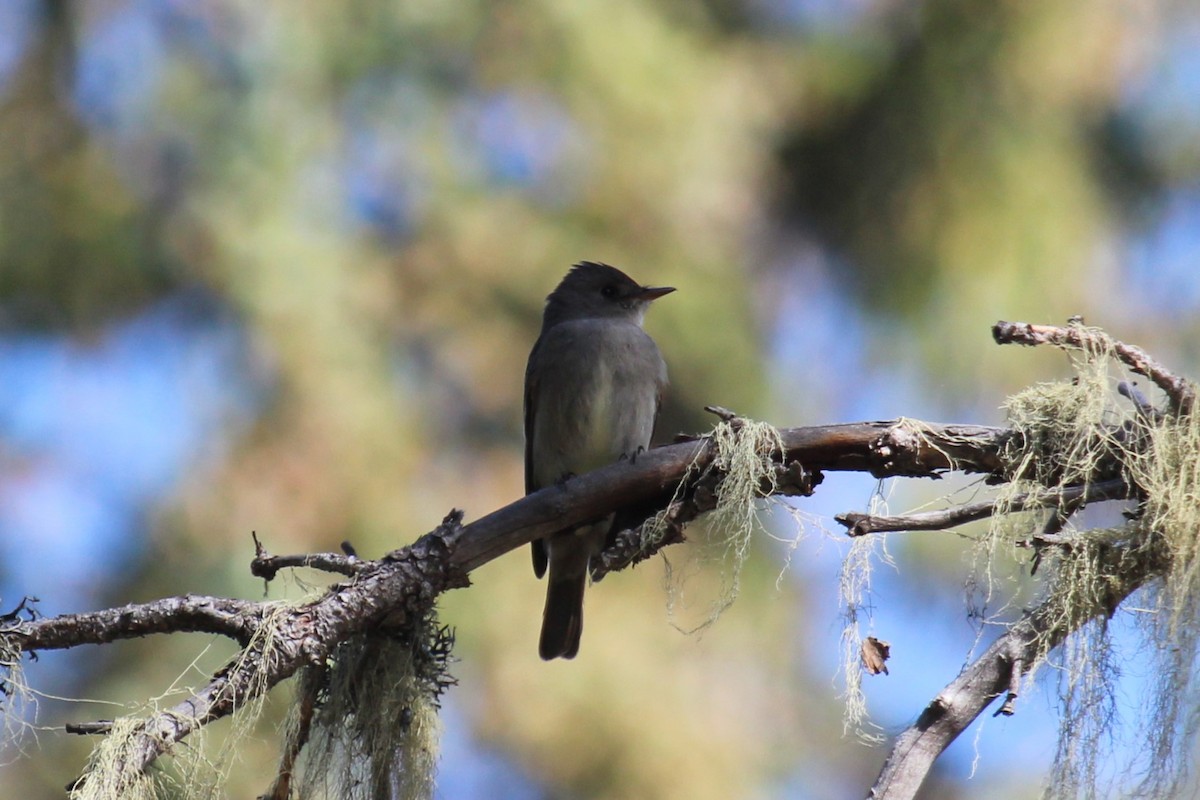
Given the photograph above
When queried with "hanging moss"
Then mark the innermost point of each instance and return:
(744, 450)
(1078, 432)
(375, 731)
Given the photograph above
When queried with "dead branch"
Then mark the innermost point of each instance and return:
(1128, 566)
(997, 672)
(237, 619)
(398, 587)
(1180, 392)
(267, 566)
(858, 524)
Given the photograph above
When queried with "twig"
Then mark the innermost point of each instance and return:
(724, 413)
(1180, 392)
(858, 524)
(1054, 526)
(1009, 706)
(310, 685)
(237, 619)
(27, 606)
(1144, 407)
(266, 566)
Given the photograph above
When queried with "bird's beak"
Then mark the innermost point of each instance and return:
(649, 293)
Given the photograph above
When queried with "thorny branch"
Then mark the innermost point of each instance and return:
(677, 481)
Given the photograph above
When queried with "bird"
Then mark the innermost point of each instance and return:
(593, 387)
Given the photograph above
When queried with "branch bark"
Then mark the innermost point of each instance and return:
(1180, 391)
(237, 619)
(858, 524)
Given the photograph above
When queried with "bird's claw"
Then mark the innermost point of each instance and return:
(632, 457)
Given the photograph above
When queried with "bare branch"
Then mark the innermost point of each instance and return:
(858, 524)
(403, 584)
(237, 619)
(1181, 392)
(883, 449)
(399, 587)
(266, 566)
(669, 486)
(998, 671)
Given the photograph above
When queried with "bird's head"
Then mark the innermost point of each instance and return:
(596, 291)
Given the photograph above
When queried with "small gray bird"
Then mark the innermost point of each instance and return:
(592, 391)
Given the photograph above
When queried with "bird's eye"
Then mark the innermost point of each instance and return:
(609, 292)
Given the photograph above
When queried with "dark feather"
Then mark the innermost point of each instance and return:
(562, 620)
(540, 557)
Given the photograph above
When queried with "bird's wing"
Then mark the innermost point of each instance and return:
(663, 382)
(540, 557)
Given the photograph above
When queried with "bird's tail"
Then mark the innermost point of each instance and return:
(562, 621)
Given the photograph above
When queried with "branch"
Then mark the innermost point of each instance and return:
(266, 566)
(1180, 392)
(858, 524)
(404, 584)
(1145, 408)
(399, 587)
(237, 619)
(1126, 566)
(673, 485)
(898, 448)
(310, 684)
(999, 669)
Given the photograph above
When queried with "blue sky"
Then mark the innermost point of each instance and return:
(98, 432)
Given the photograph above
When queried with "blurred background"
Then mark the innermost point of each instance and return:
(277, 267)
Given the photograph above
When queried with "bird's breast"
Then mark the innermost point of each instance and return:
(597, 398)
